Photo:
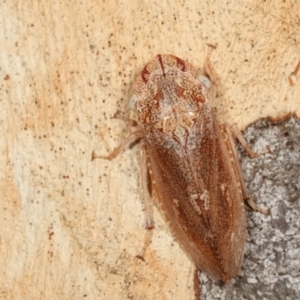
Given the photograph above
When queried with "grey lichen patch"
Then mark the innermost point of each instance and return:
(271, 267)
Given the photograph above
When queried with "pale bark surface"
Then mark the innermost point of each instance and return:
(70, 228)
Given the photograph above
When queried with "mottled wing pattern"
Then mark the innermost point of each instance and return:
(214, 167)
(197, 183)
(192, 166)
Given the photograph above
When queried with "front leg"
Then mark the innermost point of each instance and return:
(135, 133)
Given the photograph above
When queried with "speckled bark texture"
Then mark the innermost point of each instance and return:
(71, 228)
(271, 268)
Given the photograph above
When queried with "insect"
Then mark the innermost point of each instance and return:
(192, 164)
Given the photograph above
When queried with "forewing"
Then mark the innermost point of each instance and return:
(214, 166)
(198, 193)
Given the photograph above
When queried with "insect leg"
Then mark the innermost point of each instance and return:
(147, 202)
(237, 133)
(119, 115)
(135, 133)
(292, 77)
(230, 130)
(208, 68)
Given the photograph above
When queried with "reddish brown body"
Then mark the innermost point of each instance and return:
(193, 167)
(192, 163)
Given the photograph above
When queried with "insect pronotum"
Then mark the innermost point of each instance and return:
(192, 163)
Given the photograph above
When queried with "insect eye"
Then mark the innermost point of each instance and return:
(205, 81)
(133, 101)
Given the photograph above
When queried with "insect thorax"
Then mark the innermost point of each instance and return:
(172, 102)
